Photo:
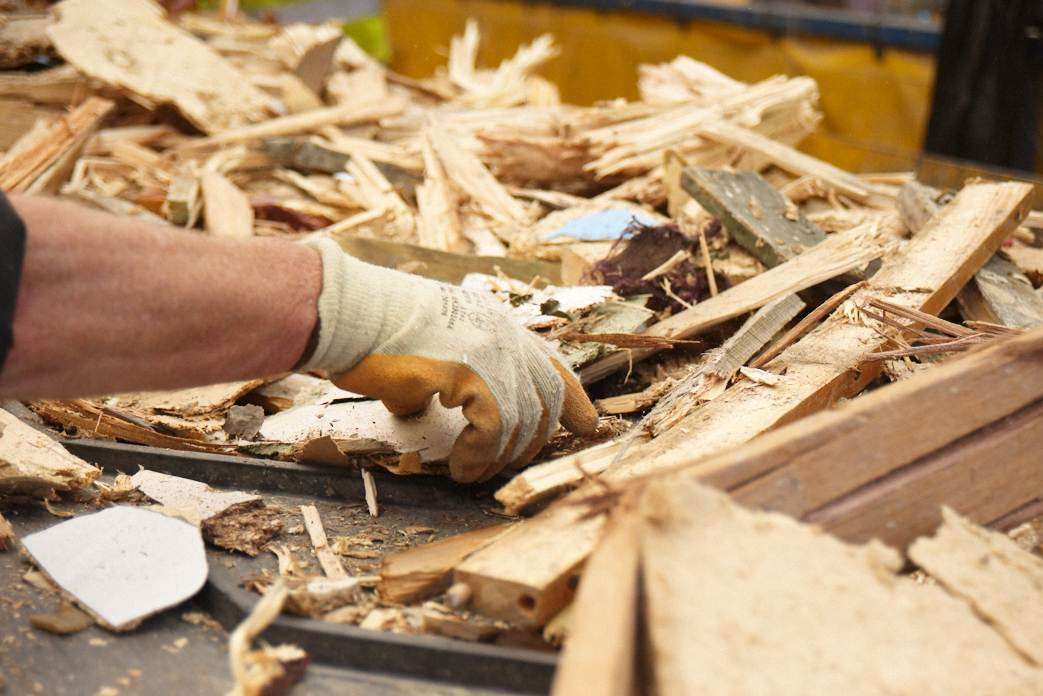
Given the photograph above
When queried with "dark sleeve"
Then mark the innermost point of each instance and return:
(986, 83)
(12, 254)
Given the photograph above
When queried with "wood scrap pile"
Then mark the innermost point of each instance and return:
(708, 281)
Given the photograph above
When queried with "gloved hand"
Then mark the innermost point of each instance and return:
(401, 339)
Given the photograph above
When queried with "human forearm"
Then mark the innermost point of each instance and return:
(110, 304)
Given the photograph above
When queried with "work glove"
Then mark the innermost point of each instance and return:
(400, 338)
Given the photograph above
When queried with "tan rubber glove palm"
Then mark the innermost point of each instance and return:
(402, 339)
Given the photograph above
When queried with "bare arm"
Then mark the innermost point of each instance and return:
(108, 304)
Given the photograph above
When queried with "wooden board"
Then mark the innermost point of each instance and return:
(741, 602)
(531, 572)
(804, 466)
(130, 44)
(443, 265)
(1001, 294)
(988, 474)
(601, 653)
(825, 365)
(842, 252)
(1002, 581)
(424, 571)
(757, 216)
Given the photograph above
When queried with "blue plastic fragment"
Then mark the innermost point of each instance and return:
(602, 226)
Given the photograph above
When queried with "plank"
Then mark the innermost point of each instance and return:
(742, 602)
(983, 477)
(757, 216)
(841, 253)
(531, 573)
(1002, 581)
(804, 466)
(329, 561)
(822, 367)
(34, 464)
(47, 144)
(424, 571)
(787, 158)
(1000, 292)
(443, 265)
(226, 210)
(547, 479)
(129, 44)
(600, 655)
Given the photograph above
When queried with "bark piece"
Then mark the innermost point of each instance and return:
(98, 421)
(1003, 582)
(65, 620)
(247, 529)
(7, 535)
(424, 571)
(34, 464)
(757, 216)
(129, 44)
(122, 564)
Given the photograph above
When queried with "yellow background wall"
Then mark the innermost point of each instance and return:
(875, 105)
